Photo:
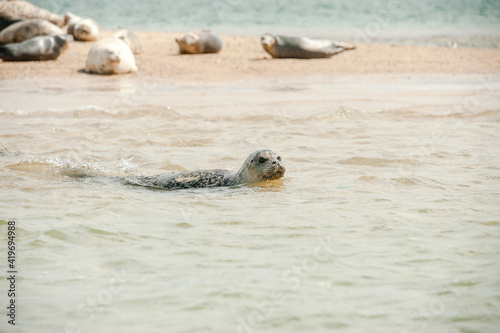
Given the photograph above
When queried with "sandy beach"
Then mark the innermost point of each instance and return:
(386, 219)
(243, 58)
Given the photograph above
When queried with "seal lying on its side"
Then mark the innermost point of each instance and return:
(82, 29)
(27, 29)
(203, 42)
(260, 166)
(110, 56)
(300, 47)
(35, 49)
(23, 10)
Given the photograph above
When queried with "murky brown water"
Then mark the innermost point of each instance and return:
(387, 219)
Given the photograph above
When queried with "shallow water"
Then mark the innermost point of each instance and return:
(387, 219)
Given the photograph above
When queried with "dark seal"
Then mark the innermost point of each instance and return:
(35, 49)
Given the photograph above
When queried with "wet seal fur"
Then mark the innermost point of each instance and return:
(35, 49)
(203, 42)
(27, 29)
(260, 166)
(301, 47)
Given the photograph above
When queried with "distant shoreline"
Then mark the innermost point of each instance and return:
(242, 57)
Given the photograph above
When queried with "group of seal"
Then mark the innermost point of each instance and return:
(260, 166)
(30, 33)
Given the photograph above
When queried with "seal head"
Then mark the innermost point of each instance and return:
(268, 42)
(260, 166)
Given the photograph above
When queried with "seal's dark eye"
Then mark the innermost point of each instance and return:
(279, 158)
(262, 159)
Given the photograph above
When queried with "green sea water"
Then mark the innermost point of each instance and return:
(426, 22)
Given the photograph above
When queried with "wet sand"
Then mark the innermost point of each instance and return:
(243, 58)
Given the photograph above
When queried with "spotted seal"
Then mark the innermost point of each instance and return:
(300, 47)
(27, 29)
(197, 43)
(23, 10)
(261, 165)
(82, 29)
(35, 49)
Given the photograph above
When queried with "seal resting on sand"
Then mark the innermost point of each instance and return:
(22, 10)
(301, 47)
(27, 29)
(260, 166)
(82, 29)
(130, 39)
(197, 43)
(110, 56)
(35, 49)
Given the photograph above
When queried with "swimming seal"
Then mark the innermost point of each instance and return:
(23, 10)
(27, 29)
(35, 49)
(260, 166)
(203, 42)
(300, 47)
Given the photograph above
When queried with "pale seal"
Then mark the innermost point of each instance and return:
(82, 29)
(110, 56)
(261, 165)
(35, 49)
(26, 29)
(130, 39)
(22, 10)
(300, 47)
(197, 43)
